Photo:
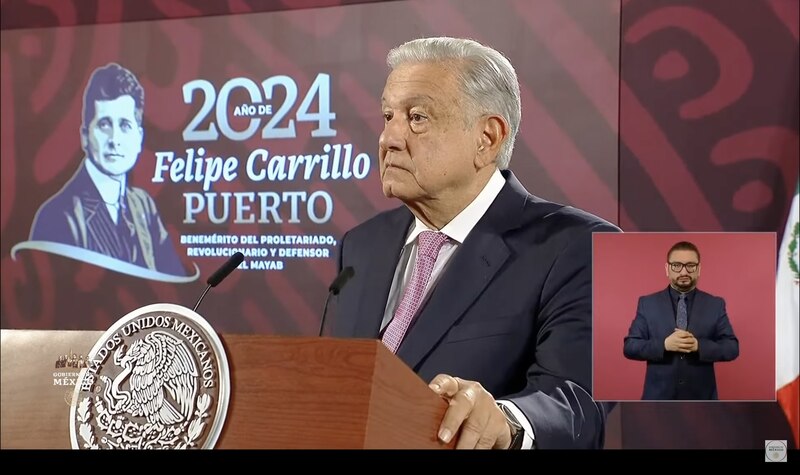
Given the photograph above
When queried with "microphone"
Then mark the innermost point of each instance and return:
(336, 286)
(220, 275)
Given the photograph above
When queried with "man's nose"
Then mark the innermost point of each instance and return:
(114, 135)
(393, 137)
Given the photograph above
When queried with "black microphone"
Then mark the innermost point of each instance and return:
(220, 275)
(336, 286)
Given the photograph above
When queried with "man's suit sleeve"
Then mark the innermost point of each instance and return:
(557, 399)
(640, 344)
(724, 346)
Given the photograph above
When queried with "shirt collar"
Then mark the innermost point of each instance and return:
(676, 293)
(111, 190)
(459, 227)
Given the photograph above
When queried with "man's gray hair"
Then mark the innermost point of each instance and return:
(487, 78)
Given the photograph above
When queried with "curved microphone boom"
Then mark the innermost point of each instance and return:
(220, 275)
(336, 286)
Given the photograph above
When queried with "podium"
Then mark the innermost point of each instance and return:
(286, 393)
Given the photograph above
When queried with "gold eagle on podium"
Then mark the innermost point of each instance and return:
(161, 377)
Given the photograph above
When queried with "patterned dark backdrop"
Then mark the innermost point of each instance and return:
(567, 148)
(660, 115)
(708, 114)
(708, 142)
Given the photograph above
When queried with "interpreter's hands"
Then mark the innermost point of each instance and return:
(695, 345)
(472, 410)
(681, 341)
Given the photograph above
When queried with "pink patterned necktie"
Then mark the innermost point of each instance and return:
(430, 243)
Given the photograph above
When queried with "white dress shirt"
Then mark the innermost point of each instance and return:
(111, 191)
(457, 231)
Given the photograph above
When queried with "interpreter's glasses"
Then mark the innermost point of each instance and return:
(691, 267)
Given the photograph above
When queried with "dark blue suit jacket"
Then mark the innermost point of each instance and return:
(672, 375)
(512, 311)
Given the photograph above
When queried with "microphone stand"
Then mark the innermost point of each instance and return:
(201, 298)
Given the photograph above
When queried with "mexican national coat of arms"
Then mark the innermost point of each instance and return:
(157, 379)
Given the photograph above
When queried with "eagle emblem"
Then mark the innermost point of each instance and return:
(151, 383)
(161, 377)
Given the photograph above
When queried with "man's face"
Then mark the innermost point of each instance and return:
(113, 139)
(429, 140)
(684, 261)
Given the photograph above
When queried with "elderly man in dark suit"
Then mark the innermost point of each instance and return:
(480, 287)
(681, 332)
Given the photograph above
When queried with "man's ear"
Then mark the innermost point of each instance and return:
(84, 139)
(494, 131)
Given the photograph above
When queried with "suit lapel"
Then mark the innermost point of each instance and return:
(668, 317)
(471, 270)
(90, 213)
(473, 267)
(385, 251)
(84, 205)
(137, 206)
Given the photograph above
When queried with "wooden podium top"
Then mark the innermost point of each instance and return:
(285, 393)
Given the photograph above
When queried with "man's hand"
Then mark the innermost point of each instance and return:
(472, 410)
(681, 341)
(694, 343)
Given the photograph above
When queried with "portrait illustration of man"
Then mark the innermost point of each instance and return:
(97, 209)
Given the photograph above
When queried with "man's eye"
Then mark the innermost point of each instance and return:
(387, 116)
(126, 126)
(417, 117)
(104, 124)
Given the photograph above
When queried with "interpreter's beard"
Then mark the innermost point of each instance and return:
(684, 283)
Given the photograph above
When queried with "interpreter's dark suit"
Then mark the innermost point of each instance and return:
(674, 375)
(512, 310)
(78, 216)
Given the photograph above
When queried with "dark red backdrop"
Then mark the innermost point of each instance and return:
(566, 55)
(706, 118)
(708, 142)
